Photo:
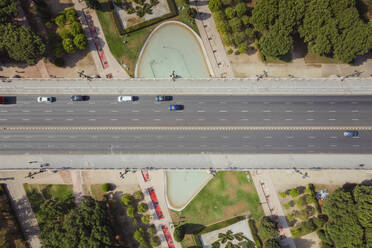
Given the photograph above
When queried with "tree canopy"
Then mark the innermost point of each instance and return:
(8, 11)
(350, 217)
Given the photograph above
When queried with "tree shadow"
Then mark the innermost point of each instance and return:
(198, 3)
(360, 59)
(304, 243)
(191, 228)
(367, 182)
(349, 187)
(203, 16)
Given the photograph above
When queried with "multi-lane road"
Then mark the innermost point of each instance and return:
(210, 124)
(206, 111)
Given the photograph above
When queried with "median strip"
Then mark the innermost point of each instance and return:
(201, 128)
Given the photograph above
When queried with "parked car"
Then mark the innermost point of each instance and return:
(2, 100)
(127, 98)
(80, 98)
(351, 133)
(163, 98)
(176, 107)
(45, 99)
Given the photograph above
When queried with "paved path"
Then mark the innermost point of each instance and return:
(212, 40)
(271, 204)
(25, 215)
(157, 182)
(77, 186)
(217, 86)
(113, 66)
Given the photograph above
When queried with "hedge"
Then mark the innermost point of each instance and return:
(256, 238)
(173, 13)
(313, 194)
(221, 224)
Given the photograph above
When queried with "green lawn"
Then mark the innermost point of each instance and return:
(227, 195)
(128, 53)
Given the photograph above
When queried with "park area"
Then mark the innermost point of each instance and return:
(225, 200)
(126, 47)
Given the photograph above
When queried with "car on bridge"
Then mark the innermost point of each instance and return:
(175, 107)
(351, 133)
(45, 99)
(163, 98)
(80, 98)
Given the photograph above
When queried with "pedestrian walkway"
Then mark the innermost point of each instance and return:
(24, 213)
(271, 205)
(156, 181)
(77, 186)
(105, 62)
(212, 40)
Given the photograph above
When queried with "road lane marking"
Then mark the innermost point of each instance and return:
(310, 119)
(114, 111)
(332, 111)
(333, 137)
(179, 119)
(288, 119)
(267, 119)
(268, 137)
(48, 111)
(355, 119)
(310, 111)
(355, 145)
(288, 111)
(135, 111)
(25, 111)
(69, 119)
(244, 111)
(244, 119)
(332, 119)
(201, 111)
(69, 111)
(157, 111)
(3, 119)
(311, 137)
(222, 119)
(267, 111)
(25, 119)
(354, 111)
(113, 119)
(201, 119)
(92, 111)
(135, 119)
(223, 111)
(92, 119)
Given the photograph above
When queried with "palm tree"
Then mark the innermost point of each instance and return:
(229, 237)
(223, 237)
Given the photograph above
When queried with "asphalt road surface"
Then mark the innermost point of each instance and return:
(182, 141)
(105, 111)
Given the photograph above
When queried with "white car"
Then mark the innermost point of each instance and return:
(126, 98)
(45, 99)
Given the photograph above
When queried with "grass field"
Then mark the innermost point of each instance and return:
(227, 195)
(128, 53)
(97, 193)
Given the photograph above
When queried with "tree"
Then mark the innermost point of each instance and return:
(268, 228)
(245, 19)
(151, 230)
(301, 202)
(21, 44)
(272, 243)
(93, 4)
(241, 9)
(70, 15)
(230, 12)
(239, 38)
(363, 197)
(127, 199)
(235, 24)
(131, 211)
(64, 33)
(75, 28)
(145, 219)
(219, 16)
(223, 27)
(139, 235)
(283, 194)
(60, 20)
(179, 233)
(142, 207)
(227, 40)
(215, 5)
(264, 14)
(81, 41)
(294, 193)
(138, 195)
(68, 45)
(8, 11)
(191, 12)
(276, 43)
(106, 187)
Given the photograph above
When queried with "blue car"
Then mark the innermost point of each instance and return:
(351, 133)
(175, 107)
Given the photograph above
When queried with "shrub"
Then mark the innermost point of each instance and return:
(81, 41)
(320, 220)
(268, 228)
(138, 195)
(106, 187)
(142, 207)
(310, 199)
(179, 233)
(135, 222)
(93, 4)
(249, 32)
(290, 217)
(127, 199)
(68, 45)
(227, 40)
(58, 51)
(76, 28)
(283, 194)
(219, 16)
(60, 62)
(223, 27)
(241, 9)
(252, 226)
(191, 12)
(243, 48)
(131, 211)
(214, 5)
(139, 235)
(294, 193)
(60, 20)
(271, 243)
(145, 219)
(64, 33)
(303, 228)
(227, 2)
(230, 51)
(151, 230)
(154, 241)
(301, 202)
(71, 16)
(313, 194)
(230, 12)
(287, 205)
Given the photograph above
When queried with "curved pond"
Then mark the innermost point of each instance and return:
(172, 46)
(183, 186)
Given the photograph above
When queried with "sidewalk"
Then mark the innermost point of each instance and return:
(24, 213)
(271, 205)
(212, 40)
(112, 67)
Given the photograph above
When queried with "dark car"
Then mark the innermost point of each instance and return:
(163, 98)
(175, 107)
(80, 98)
(351, 133)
